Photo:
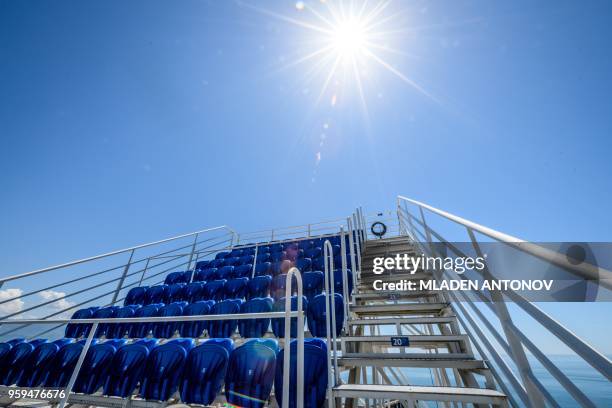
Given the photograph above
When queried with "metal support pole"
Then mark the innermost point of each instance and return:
(79, 363)
(328, 254)
(254, 261)
(193, 247)
(352, 249)
(120, 284)
(144, 271)
(345, 288)
(330, 380)
(300, 340)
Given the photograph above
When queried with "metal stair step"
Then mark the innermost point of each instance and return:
(415, 339)
(421, 360)
(402, 321)
(413, 393)
(392, 295)
(398, 309)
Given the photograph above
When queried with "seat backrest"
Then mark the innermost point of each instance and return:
(136, 296)
(225, 272)
(166, 329)
(206, 275)
(279, 283)
(278, 256)
(313, 283)
(164, 369)
(263, 268)
(156, 294)
(278, 325)
(243, 271)
(76, 330)
(201, 265)
(193, 292)
(247, 259)
(236, 253)
(118, 330)
(314, 252)
(213, 290)
(255, 327)
(338, 284)
(315, 374)
(139, 330)
(13, 363)
(262, 257)
(195, 328)
(63, 364)
(176, 292)
(304, 264)
(126, 369)
(37, 366)
(316, 315)
(204, 371)
(216, 263)
(224, 328)
(250, 374)
(236, 288)
(259, 286)
(94, 371)
(105, 313)
(231, 261)
(222, 255)
(173, 277)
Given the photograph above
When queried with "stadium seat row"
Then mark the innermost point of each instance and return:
(198, 372)
(315, 312)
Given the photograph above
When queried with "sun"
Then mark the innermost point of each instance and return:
(349, 38)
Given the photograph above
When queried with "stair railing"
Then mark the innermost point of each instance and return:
(300, 339)
(512, 340)
(330, 297)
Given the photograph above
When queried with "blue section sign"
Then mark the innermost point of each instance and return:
(400, 341)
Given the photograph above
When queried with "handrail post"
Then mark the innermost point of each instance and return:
(330, 384)
(144, 271)
(300, 340)
(345, 287)
(254, 261)
(193, 247)
(352, 249)
(79, 363)
(120, 284)
(328, 254)
(358, 250)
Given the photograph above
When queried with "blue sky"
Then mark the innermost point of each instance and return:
(125, 123)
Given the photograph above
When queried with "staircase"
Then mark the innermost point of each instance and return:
(377, 368)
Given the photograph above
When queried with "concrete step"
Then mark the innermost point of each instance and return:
(413, 393)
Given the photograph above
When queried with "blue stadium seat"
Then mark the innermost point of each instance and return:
(224, 328)
(307, 244)
(14, 361)
(200, 265)
(263, 248)
(216, 263)
(176, 293)
(338, 261)
(281, 267)
(37, 366)
(194, 291)
(186, 277)
(279, 284)
(236, 288)
(76, 330)
(173, 277)
(164, 369)
(313, 284)
(118, 330)
(166, 329)
(225, 272)
(264, 268)
(63, 364)
(338, 285)
(304, 264)
(259, 286)
(291, 246)
(243, 271)
(213, 290)
(250, 374)
(316, 315)
(127, 367)
(248, 251)
(247, 259)
(314, 252)
(318, 264)
(315, 374)
(195, 328)
(105, 313)
(16, 341)
(139, 330)
(135, 296)
(278, 256)
(278, 325)
(222, 255)
(205, 370)
(236, 253)
(231, 261)
(206, 275)
(255, 327)
(263, 257)
(95, 368)
(157, 294)
(276, 247)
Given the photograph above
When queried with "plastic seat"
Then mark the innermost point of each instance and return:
(315, 374)
(250, 374)
(290, 246)
(118, 330)
(313, 284)
(248, 251)
(246, 259)
(76, 330)
(63, 364)
(243, 271)
(316, 315)
(259, 286)
(263, 257)
(221, 255)
(109, 312)
(276, 247)
(236, 288)
(278, 325)
(338, 284)
(193, 292)
(206, 275)
(166, 329)
(213, 290)
(204, 371)
(156, 294)
(232, 261)
(95, 368)
(318, 264)
(307, 244)
(164, 369)
(279, 284)
(255, 327)
(224, 328)
(225, 272)
(176, 293)
(38, 363)
(278, 256)
(135, 296)
(304, 264)
(264, 268)
(236, 253)
(14, 361)
(314, 252)
(195, 328)
(173, 277)
(139, 330)
(200, 265)
(217, 263)
(127, 367)
(281, 267)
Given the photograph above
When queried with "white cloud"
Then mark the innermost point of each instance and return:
(60, 304)
(13, 306)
